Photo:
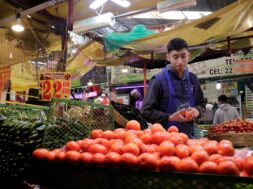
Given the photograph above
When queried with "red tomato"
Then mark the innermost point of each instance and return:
(208, 167)
(97, 148)
(148, 161)
(147, 138)
(112, 159)
(80, 142)
(184, 137)
(244, 174)
(147, 131)
(166, 148)
(200, 156)
(195, 147)
(139, 134)
(86, 143)
(133, 125)
(72, 146)
(149, 148)
(226, 142)
(248, 165)
(175, 139)
(157, 127)
(168, 164)
(86, 157)
(228, 168)
(128, 160)
(216, 158)
(193, 142)
(210, 148)
(131, 148)
(226, 149)
(40, 153)
(50, 155)
(119, 133)
(96, 133)
(60, 156)
(134, 140)
(117, 147)
(98, 158)
(158, 137)
(188, 165)
(239, 163)
(182, 151)
(72, 156)
(105, 142)
(108, 135)
(172, 129)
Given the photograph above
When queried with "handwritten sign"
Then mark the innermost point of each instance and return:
(55, 85)
(5, 74)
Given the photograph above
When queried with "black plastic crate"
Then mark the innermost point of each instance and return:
(76, 176)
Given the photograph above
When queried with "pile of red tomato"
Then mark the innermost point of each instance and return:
(152, 149)
(237, 126)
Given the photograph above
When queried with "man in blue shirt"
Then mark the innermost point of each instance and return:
(174, 90)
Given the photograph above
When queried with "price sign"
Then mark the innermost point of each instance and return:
(55, 85)
(5, 73)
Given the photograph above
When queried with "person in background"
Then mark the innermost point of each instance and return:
(225, 112)
(136, 98)
(173, 91)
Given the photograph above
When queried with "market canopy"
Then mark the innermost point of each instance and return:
(229, 21)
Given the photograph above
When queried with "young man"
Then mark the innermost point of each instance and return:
(174, 90)
(225, 112)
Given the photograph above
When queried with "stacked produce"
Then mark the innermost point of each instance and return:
(60, 130)
(237, 126)
(20, 134)
(151, 149)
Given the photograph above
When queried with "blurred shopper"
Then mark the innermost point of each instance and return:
(173, 91)
(225, 112)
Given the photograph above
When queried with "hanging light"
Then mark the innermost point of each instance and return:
(97, 3)
(122, 3)
(218, 86)
(18, 27)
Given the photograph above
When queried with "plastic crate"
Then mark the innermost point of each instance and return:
(76, 176)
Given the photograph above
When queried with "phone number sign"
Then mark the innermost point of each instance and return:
(55, 85)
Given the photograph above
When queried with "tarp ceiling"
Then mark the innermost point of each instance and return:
(82, 10)
(229, 21)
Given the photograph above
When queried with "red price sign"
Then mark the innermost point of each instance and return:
(5, 73)
(57, 88)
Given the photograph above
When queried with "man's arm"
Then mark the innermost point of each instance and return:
(150, 103)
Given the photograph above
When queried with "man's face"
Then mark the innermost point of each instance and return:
(178, 59)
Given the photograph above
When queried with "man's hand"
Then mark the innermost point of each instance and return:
(184, 115)
(178, 116)
(194, 112)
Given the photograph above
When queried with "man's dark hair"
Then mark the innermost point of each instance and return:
(223, 98)
(177, 44)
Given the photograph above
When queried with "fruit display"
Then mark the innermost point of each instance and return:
(153, 149)
(22, 132)
(236, 126)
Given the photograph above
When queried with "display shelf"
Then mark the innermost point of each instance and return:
(75, 176)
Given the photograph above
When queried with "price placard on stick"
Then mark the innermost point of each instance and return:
(55, 85)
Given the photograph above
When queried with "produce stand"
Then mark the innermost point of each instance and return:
(77, 120)
(75, 176)
(21, 131)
